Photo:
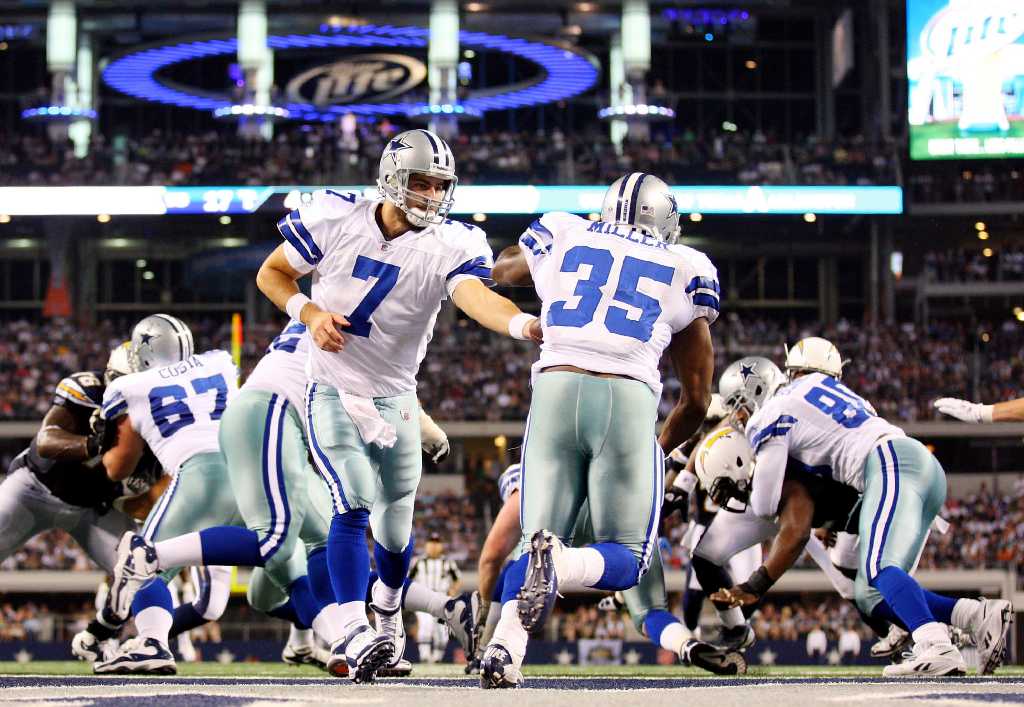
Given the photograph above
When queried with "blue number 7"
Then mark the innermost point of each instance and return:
(387, 276)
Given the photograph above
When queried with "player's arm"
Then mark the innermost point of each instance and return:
(796, 514)
(494, 312)
(277, 279)
(60, 438)
(122, 458)
(511, 268)
(693, 357)
(500, 542)
(965, 410)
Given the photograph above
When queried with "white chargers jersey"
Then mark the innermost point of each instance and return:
(816, 424)
(613, 295)
(390, 291)
(282, 370)
(176, 409)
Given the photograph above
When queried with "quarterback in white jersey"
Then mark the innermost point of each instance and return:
(824, 429)
(381, 268)
(616, 294)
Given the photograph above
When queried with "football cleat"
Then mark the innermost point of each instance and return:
(893, 644)
(737, 638)
(366, 652)
(498, 670)
(303, 650)
(536, 599)
(934, 660)
(459, 616)
(391, 624)
(707, 657)
(139, 656)
(136, 564)
(401, 669)
(87, 647)
(989, 633)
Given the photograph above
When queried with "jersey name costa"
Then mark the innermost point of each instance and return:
(613, 295)
(282, 369)
(389, 290)
(176, 409)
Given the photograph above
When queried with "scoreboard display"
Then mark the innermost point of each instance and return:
(965, 67)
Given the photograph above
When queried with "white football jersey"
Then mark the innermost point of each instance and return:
(614, 296)
(390, 291)
(176, 409)
(817, 424)
(282, 370)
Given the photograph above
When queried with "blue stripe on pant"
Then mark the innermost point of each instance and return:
(320, 460)
(273, 479)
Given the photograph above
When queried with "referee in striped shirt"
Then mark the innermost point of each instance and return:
(440, 574)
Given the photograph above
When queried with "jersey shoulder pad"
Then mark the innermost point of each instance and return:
(115, 397)
(84, 388)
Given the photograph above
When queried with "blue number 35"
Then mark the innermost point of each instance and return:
(171, 415)
(617, 319)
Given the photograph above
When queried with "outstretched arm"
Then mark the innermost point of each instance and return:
(121, 459)
(1008, 411)
(693, 357)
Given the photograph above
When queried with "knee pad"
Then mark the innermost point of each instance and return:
(213, 589)
(263, 593)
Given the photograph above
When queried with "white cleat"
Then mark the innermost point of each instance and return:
(460, 617)
(136, 564)
(989, 633)
(929, 660)
(139, 656)
(391, 623)
(894, 642)
(498, 669)
(87, 647)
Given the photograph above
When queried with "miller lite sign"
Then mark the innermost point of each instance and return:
(366, 78)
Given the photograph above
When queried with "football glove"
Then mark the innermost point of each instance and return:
(435, 441)
(964, 410)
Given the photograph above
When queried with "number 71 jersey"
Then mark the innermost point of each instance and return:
(613, 295)
(176, 409)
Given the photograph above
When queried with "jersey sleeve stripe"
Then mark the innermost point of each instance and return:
(114, 408)
(542, 233)
(296, 233)
(709, 301)
(779, 428)
(476, 267)
(703, 283)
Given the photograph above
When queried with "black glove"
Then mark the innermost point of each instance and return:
(676, 500)
(97, 433)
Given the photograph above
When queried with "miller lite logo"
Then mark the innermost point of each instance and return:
(366, 78)
(964, 30)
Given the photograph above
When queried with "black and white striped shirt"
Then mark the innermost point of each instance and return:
(438, 574)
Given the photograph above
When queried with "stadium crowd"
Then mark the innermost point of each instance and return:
(330, 155)
(972, 265)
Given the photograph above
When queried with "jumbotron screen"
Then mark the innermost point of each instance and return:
(965, 65)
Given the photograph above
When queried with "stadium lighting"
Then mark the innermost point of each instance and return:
(750, 64)
(987, 252)
(148, 275)
(475, 7)
(5, 218)
(103, 218)
(979, 226)
(982, 235)
(479, 217)
(594, 216)
(1019, 315)
(140, 263)
(225, 220)
(469, 54)
(810, 218)
(501, 441)
(585, 7)
(696, 217)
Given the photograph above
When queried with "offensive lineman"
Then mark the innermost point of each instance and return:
(387, 264)
(828, 430)
(616, 293)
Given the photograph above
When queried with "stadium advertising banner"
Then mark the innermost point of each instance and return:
(512, 199)
(965, 65)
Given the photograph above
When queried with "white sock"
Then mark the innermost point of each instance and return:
(930, 633)
(510, 633)
(329, 624)
(387, 598)
(579, 567)
(418, 597)
(182, 551)
(299, 637)
(154, 622)
(674, 636)
(966, 613)
(426, 652)
(352, 614)
(732, 617)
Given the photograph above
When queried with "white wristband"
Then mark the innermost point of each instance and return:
(295, 304)
(517, 324)
(985, 412)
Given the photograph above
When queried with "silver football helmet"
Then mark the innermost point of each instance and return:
(160, 340)
(746, 385)
(423, 152)
(645, 202)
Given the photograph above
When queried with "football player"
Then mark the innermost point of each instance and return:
(616, 293)
(383, 266)
(828, 432)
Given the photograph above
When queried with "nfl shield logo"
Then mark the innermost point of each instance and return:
(406, 416)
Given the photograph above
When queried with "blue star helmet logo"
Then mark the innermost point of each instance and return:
(146, 338)
(398, 144)
(746, 370)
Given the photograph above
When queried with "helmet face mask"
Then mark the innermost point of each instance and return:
(411, 153)
(746, 385)
(119, 364)
(723, 465)
(645, 202)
